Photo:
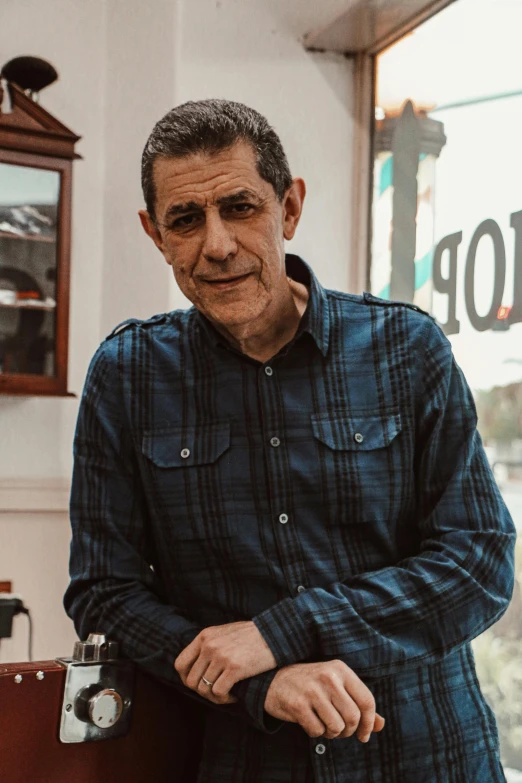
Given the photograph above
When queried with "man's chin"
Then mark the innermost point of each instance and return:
(230, 317)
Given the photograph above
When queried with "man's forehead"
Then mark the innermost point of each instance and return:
(205, 178)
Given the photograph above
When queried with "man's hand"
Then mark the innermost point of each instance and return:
(326, 699)
(223, 654)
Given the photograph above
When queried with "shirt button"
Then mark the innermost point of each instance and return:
(269, 371)
(275, 442)
(301, 589)
(320, 749)
(358, 438)
(185, 453)
(283, 518)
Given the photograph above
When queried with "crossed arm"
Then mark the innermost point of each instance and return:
(376, 623)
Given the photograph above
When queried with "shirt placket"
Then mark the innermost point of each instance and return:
(275, 437)
(286, 530)
(321, 752)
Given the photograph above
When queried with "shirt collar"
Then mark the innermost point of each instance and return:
(316, 318)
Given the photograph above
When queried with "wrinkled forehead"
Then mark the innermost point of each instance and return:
(205, 178)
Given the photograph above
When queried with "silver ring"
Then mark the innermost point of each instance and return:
(207, 682)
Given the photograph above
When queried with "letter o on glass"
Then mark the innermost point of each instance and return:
(487, 228)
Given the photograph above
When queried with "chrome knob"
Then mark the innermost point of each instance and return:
(105, 708)
(97, 648)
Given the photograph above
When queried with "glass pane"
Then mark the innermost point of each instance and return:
(28, 258)
(447, 234)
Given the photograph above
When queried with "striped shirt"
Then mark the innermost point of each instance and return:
(338, 495)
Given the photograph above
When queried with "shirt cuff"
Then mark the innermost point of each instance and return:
(285, 629)
(252, 695)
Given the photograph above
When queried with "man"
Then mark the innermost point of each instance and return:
(280, 502)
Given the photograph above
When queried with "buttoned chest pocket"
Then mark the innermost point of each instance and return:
(190, 483)
(360, 464)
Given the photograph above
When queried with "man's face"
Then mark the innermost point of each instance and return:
(221, 228)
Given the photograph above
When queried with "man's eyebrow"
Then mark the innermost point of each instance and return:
(236, 198)
(181, 209)
(192, 206)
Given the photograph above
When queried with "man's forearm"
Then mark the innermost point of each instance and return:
(407, 615)
(153, 634)
(149, 632)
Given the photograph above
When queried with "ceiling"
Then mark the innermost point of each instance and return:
(367, 25)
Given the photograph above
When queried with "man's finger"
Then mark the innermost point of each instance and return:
(349, 711)
(213, 675)
(186, 659)
(223, 683)
(367, 721)
(333, 720)
(311, 723)
(214, 672)
(197, 671)
(363, 697)
(205, 690)
(379, 722)
(209, 696)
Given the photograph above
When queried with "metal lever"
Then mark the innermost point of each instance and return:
(97, 648)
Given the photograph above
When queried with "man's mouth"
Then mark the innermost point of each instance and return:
(222, 283)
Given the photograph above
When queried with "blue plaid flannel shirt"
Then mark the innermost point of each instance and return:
(338, 495)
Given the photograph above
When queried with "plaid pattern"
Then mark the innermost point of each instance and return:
(338, 495)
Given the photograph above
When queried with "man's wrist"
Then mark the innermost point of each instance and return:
(252, 694)
(286, 632)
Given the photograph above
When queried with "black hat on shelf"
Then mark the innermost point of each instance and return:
(31, 74)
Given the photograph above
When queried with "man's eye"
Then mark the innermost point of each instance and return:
(240, 209)
(186, 221)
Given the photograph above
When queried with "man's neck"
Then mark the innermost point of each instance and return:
(276, 329)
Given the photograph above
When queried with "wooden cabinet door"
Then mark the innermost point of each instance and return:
(162, 746)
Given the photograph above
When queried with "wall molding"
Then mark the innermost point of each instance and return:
(41, 495)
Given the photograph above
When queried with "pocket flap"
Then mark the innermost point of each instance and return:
(356, 433)
(177, 447)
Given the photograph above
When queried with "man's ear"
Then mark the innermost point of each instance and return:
(293, 206)
(150, 228)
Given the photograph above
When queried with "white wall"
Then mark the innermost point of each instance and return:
(36, 432)
(36, 545)
(139, 72)
(122, 65)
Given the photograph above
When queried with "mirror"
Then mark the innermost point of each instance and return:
(29, 199)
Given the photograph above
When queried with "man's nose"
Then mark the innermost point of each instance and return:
(220, 240)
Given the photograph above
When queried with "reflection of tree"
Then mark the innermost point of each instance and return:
(498, 655)
(500, 412)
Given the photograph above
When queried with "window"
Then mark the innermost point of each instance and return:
(447, 235)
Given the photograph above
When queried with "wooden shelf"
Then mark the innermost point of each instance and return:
(27, 306)
(27, 237)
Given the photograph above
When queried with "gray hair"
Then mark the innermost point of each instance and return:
(211, 126)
